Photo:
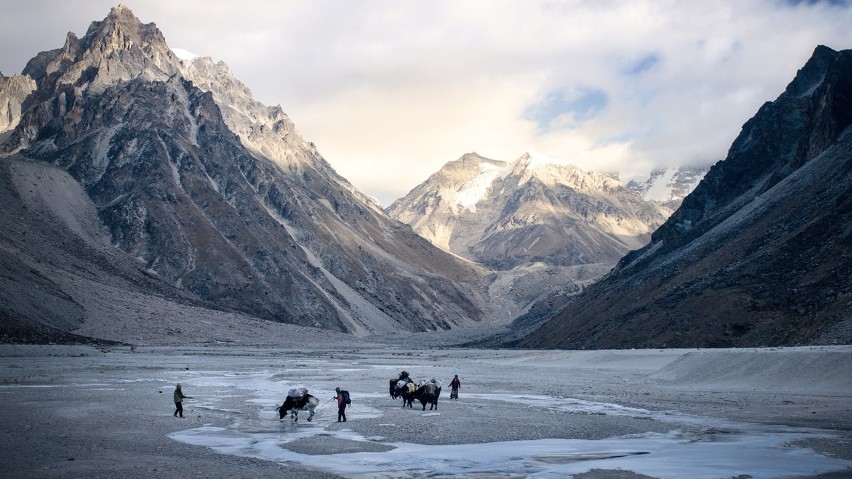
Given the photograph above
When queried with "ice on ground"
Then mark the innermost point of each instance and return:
(702, 447)
(757, 454)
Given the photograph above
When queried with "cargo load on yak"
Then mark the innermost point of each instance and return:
(298, 392)
(423, 382)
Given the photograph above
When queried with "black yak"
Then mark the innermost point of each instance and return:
(406, 391)
(428, 394)
(305, 403)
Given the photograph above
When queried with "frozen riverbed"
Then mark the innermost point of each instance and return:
(763, 413)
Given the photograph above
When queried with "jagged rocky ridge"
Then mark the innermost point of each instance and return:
(760, 254)
(217, 196)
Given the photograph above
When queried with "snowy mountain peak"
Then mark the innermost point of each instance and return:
(552, 173)
(469, 206)
(544, 229)
(461, 183)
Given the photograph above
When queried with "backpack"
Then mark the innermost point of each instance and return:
(346, 399)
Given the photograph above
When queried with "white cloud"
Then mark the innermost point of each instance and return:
(391, 90)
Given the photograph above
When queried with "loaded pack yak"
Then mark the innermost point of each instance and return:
(428, 394)
(295, 404)
(403, 389)
(397, 384)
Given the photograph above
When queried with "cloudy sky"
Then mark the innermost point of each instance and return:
(390, 90)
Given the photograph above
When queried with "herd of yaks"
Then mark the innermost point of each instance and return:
(427, 392)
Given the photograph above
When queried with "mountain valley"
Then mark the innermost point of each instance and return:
(151, 199)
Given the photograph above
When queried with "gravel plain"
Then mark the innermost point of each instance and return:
(79, 411)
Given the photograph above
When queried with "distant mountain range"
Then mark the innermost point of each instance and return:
(503, 215)
(759, 254)
(545, 230)
(213, 199)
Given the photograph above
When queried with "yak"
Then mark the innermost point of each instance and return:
(428, 394)
(295, 404)
(406, 391)
(395, 384)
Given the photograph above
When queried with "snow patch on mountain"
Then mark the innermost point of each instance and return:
(184, 55)
(477, 188)
(667, 186)
(660, 190)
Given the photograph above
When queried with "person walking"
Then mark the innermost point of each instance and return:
(455, 384)
(342, 400)
(179, 397)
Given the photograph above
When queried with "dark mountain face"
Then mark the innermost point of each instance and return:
(759, 254)
(234, 227)
(804, 121)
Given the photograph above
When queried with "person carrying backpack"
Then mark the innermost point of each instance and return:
(342, 401)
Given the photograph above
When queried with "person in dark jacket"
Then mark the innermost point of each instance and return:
(341, 405)
(455, 384)
(179, 397)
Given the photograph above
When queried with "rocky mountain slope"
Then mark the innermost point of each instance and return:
(546, 230)
(213, 196)
(13, 91)
(760, 254)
